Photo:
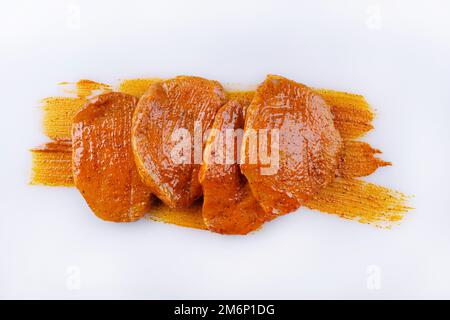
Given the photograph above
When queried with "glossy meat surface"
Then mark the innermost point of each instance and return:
(228, 204)
(103, 164)
(168, 125)
(309, 144)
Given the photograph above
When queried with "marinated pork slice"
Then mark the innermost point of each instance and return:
(228, 204)
(103, 164)
(168, 127)
(305, 156)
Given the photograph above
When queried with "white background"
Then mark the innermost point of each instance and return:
(396, 53)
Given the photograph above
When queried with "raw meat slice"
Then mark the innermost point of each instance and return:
(168, 127)
(228, 204)
(103, 164)
(308, 148)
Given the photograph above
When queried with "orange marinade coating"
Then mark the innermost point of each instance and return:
(165, 114)
(309, 144)
(228, 204)
(103, 164)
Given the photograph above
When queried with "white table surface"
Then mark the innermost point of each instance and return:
(396, 53)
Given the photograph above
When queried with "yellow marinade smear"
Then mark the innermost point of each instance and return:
(346, 197)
